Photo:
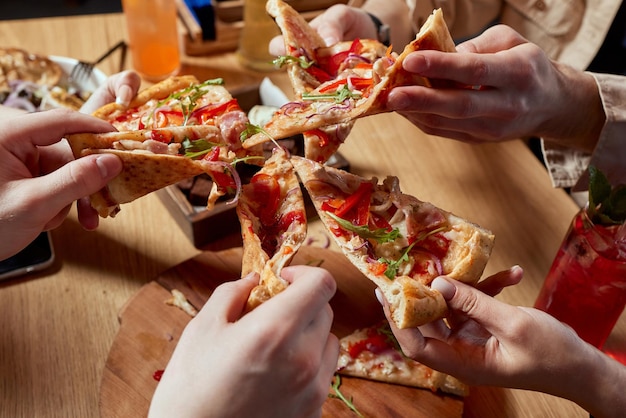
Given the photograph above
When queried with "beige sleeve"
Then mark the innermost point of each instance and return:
(568, 168)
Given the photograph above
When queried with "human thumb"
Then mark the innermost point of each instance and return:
(77, 179)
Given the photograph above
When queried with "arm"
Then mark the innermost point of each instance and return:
(277, 360)
(492, 343)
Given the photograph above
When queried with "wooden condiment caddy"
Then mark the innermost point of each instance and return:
(229, 21)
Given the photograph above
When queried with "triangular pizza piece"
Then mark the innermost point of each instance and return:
(155, 158)
(356, 91)
(397, 241)
(181, 101)
(273, 224)
(310, 63)
(373, 353)
(171, 131)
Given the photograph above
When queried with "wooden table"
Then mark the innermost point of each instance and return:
(56, 328)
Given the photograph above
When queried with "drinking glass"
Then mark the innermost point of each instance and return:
(586, 285)
(153, 37)
(257, 32)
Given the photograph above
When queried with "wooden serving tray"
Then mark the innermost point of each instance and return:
(150, 329)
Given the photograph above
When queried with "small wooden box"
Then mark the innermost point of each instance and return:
(229, 21)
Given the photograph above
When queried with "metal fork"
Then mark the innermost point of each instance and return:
(83, 69)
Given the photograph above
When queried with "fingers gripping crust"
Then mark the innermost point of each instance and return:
(398, 242)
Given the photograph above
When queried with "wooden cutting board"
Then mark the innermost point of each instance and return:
(150, 329)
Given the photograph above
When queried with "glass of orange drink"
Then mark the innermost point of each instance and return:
(153, 37)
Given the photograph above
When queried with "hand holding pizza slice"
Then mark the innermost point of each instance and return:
(171, 131)
(339, 85)
(273, 225)
(397, 241)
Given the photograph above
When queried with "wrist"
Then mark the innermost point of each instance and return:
(580, 125)
(599, 390)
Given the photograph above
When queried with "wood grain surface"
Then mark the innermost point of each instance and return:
(150, 329)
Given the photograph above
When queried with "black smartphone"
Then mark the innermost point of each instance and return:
(38, 255)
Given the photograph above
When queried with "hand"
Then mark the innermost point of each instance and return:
(338, 23)
(120, 88)
(39, 179)
(508, 89)
(277, 360)
(489, 342)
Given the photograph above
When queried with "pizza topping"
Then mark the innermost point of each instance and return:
(198, 148)
(349, 403)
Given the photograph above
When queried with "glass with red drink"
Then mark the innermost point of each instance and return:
(586, 285)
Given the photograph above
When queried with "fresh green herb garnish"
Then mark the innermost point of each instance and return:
(607, 204)
(246, 159)
(339, 395)
(197, 148)
(338, 96)
(251, 130)
(287, 59)
(386, 331)
(381, 234)
(187, 101)
(394, 265)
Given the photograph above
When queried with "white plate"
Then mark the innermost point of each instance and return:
(88, 84)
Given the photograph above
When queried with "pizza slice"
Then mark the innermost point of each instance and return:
(181, 101)
(374, 353)
(310, 63)
(358, 86)
(397, 241)
(156, 158)
(273, 224)
(171, 131)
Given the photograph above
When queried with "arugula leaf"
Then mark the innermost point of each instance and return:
(607, 204)
(188, 102)
(381, 235)
(197, 148)
(251, 130)
(287, 59)
(339, 395)
(338, 96)
(394, 265)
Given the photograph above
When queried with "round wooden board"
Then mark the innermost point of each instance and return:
(149, 331)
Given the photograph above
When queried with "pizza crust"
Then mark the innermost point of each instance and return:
(411, 300)
(255, 258)
(146, 170)
(388, 363)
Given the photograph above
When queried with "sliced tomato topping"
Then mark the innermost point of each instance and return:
(266, 196)
(377, 268)
(323, 136)
(361, 84)
(356, 208)
(319, 74)
(164, 136)
(128, 114)
(211, 111)
(378, 221)
(334, 63)
(222, 179)
(374, 343)
(291, 217)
